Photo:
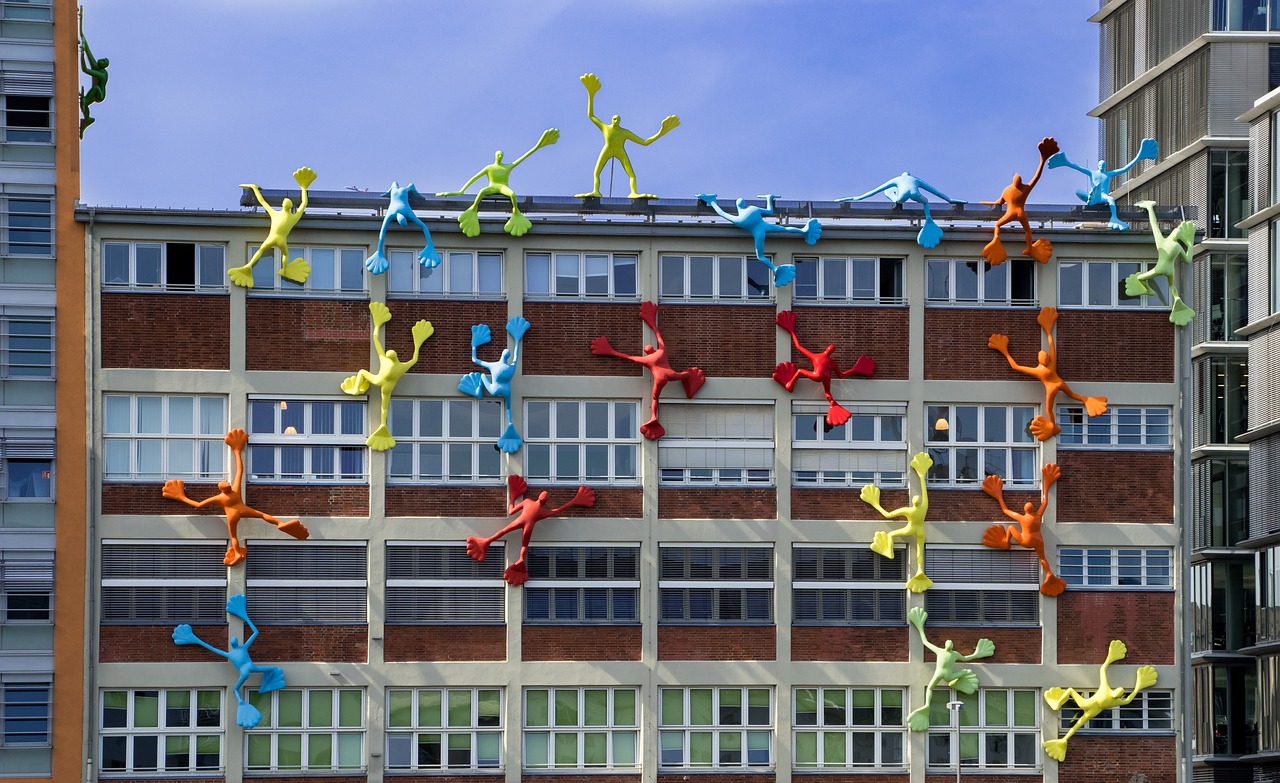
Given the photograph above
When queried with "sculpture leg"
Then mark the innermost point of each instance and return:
(510, 441)
(377, 263)
(994, 251)
(651, 429)
(296, 270)
(235, 551)
(1044, 426)
(380, 439)
(1115, 222)
(919, 583)
(357, 384)
(1181, 314)
(918, 720)
(997, 537)
(595, 176)
(517, 225)
(930, 234)
(243, 275)
(428, 256)
(469, 219)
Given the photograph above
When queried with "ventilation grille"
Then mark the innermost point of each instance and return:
(1264, 490)
(164, 561)
(291, 561)
(163, 605)
(442, 562)
(979, 566)
(1264, 378)
(307, 605)
(409, 605)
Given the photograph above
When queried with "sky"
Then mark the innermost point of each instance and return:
(805, 99)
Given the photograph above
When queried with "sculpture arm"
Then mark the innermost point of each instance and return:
(464, 188)
(768, 204)
(302, 205)
(926, 186)
(1036, 178)
(993, 203)
(591, 110)
(210, 647)
(258, 194)
(869, 193)
(1062, 160)
(720, 211)
(253, 631)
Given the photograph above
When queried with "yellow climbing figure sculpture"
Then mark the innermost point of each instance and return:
(1104, 698)
(914, 514)
(499, 175)
(615, 140)
(390, 370)
(282, 222)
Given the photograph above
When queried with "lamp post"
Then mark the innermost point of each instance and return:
(954, 706)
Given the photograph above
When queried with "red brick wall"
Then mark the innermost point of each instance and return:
(1115, 486)
(154, 644)
(311, 779)
(527, 778)
(308, 335)
(327, 643)
(878, 332)
(448, 350)
(1119, 759)
(852, 778)
(717, 643)
(559, 342)
(717, 503)
(945, 505)
(287, 501)
(444, 643)
(848, 643)
(492, 778)
(1013, 645)
(1107, 345)
(955, 343)
(424, 501)
(726, 341)
(166, 331)
(146, 499)
(968, 778)
(1089, 620)
(974, 505)
(727, 777)
(580, 643)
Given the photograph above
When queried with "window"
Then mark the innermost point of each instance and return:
(1151, 711)
(439, 583)
(176, 730)
(454, 729)
(461, 275)
(720, 444)
(150, 437)
(28, 119)
(1268, 600)
(998, 729)
(445, 441)
(1223, 611)
(719, 278)
(1220, 409)
(1119, 426)
(26, 344)
(1225, 711)
(164, 266)
(1101, 284)
(26, 579)
(27, 225)
(974, 283)
(306, 729)
(322, 583)
(722, 585)
(842, 585)
(869, 448)
(580, 276)
(1220, 513)
(26, 714)
(984, 587)
(1242, 15)
(970, 442)
(1103, 567)
(163, 582)
(1228, 192)
(1225, 300)
(26, 465)
(717, 728)
(583, 584)
(575, 442)
(307, 441)
(849, 280)
(581, 728)
(334, 270)
(849, 728)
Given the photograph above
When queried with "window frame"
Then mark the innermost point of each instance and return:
(193, 731)
(535, 444)
(886, 586)
(213, 440)
(718, 476)
(1078, 427)
(981, 299)
(980, 729)
(477, 443)
(267, 283)
(750, 262)
(404, 263)
(36, 449)
(484, 580)
(881, 266)
(718, 728)
(715, 584)
(550, 284)
(12, 132)
(34, 232)
(335, 730)
(544, 585)
(27, 572)
(1012, 445)
(131, 284)
(879, 728)
(11, 348)
(1111, 721)
(339, 444)
(142, 568)
(1160, 300)
(807, 416)
(961, 571)
(552, 730)
(1077, 575)
(288, 577)
(416, 729)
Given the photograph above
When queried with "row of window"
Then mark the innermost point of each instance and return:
(462, 729)
(430, 583)
(450, 441)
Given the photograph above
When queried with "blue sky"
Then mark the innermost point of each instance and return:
(808, 100)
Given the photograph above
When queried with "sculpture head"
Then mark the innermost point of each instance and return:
(395, 183)
(104, 62)
(615, 121)
(235, 642)
(287, 205)
(1102, 165)
(915, 500)
(391, 356)
(497, 156)
(1026, 508)
(649, 349)
(948, 645)
(224, 486)
(1043, 358)
(1017, 180)
(830, 349)
(542, 496)
(506, 356)
(742, 202)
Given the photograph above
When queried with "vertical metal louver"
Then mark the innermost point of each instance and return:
(26, 83)
(1260, 175)
(1264, 378)
(1261, 275)
(1264, 490)
(1201, 504)
(1201, 267)
(1171, 25)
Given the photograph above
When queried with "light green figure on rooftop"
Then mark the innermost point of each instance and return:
(499, 174)
(390, 371)
(945, 671)
(282, 222)
(1177, 244)
(914, 515)
(615, 140)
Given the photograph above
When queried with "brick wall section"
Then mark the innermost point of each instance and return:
(493, 778)
(1119, 759)
(327, 643)
(878, 332)
(580, 643)
(974, 505)
(444, 643)
(721, 503)
(1013, 645)
(423, 501)
(114, 779)
(725, 341)
(448, 350)
(311, 779)
(154, 644)
(527, 778)
(166, 331)
(945, 505)
(968, 778)
(731, 777)
(287, 501)
(1106, 345)
(1089, 619)
(832, 778)
(146, 499)
(848, 643)
(717, 643)
(559, 342)
(955, 343)
(1115, 486)
(300, 335)
(611, 502)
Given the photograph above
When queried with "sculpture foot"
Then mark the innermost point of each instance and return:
(1040, 250)
(1118, 224)
(995, 538)
(272, 680)
(376, 263)
(783, 374)
(693, 381)
(919, 583)
(354, 385)
(381, 440)
(241, 276)
(477, 548)
(865, 367)
(837, 415)
(86, 122)
(783, 275)
(812, 230)
(296, 270)
(295, 529)
(652, 430)
(593, 194)
(1055, 697)
(1043, 429)
(516, 574)
(918, 720)
(1056, 749)
(965, 681)
(881, 545)
(428, 257)
(993, 251)
(1181, 314)
(247, 716)
(517, 225)
(510, 441)
(472, 385)
(235, 554)
(1052, 586)
(469, 222)
(1133, 286)
(1095, 406)
(930, 235)
(641, 195)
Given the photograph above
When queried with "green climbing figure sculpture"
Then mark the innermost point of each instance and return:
(1104, 698)
(914, 515)
(615, 140)
(282, 222)
(499, 174)
(390, 371)
(1177, 244)
(96, 70)
(945, 671)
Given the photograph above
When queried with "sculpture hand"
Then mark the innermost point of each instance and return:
(549, 136)
(516, 486)
(1047, 317)
(184, 635)
(707, 198)
(1149, 149)
(1051, 473)
(985, 648)
(921, 463)
(993, 486)
(586, 498)
(480, 335)
(449, 193)
(591, 82)
(1146, 677)
(870, 494)
(670, 123)
(174, 489)
(421, 331)
(236, 439)
(917, 617)
(1048, 147)
(1057, 159)
(517, 326)
(787, 320)
(237, 607)
(601, 347)
(304, 177)
(379, 312)
(248, 187)
(648, 312)
(999, 342)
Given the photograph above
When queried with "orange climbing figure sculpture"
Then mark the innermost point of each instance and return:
(531, 512)
(824, 369)
(1027, 531)
(1014, 200)
(232, 502)
(1045, 371)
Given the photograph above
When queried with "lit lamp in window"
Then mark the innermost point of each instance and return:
(941, 425)
(291, 430)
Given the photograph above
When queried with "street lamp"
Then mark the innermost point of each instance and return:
(954, 706)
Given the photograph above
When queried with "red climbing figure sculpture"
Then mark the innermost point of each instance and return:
(1027, 532)
(824, 369)
(531, 512)
(656, 360)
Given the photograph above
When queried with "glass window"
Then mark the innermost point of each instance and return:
(718, 444)
(323, 583)
(1229, 189)
(580, 276)
(999, 729)
(581, 442)
(164, 266)
(849, 280)
(702, 585)
(970, 442)
(160, 731)
(1101, 284)
(27, 226)
(869, 448)
(1119, 427)
(848, 728)
(583, 584)
(307, 441)
(718, 278)
(454, 729)
(338, 271)
(431, 583)
(163, 582)
(715, 728)
(307, 730)
(1112, 567)
(150, 437)
(843, 585)
(461, 275)
(581, 728)
(445, 441)
(976, 283)
(983, 587)
(28, 119)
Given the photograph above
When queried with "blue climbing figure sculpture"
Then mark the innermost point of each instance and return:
(247, 715)
(402, 213)
(498, 382)
(752, 220)
(1100, 179)
(904, 188)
